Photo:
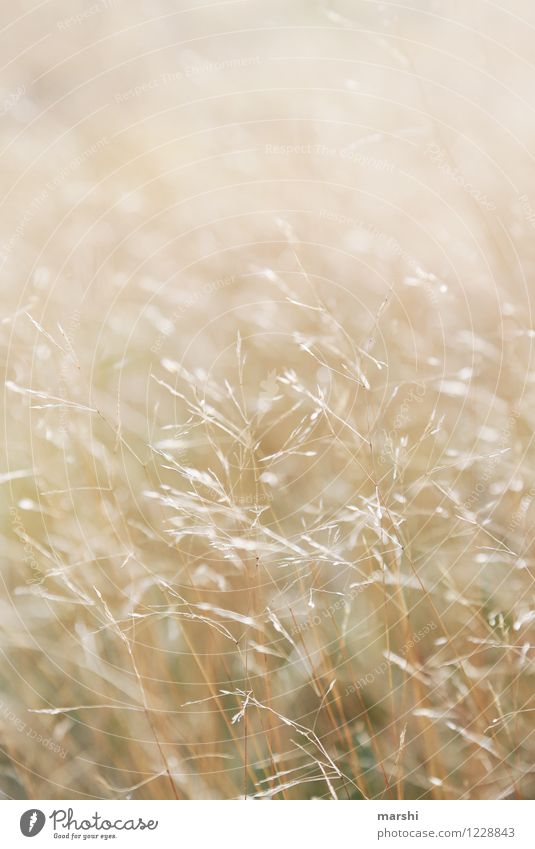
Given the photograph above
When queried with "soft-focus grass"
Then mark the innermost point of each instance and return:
(268, 464)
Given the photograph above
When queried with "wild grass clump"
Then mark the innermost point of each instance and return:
(268, 471)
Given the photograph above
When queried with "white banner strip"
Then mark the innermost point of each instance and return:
(257, 825)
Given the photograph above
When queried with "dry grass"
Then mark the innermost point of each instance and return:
(269, 467)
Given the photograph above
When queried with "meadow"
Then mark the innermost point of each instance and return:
(268, 471)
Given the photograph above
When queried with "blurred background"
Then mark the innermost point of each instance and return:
(267, 471)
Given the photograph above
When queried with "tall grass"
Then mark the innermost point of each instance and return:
(268, 467)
